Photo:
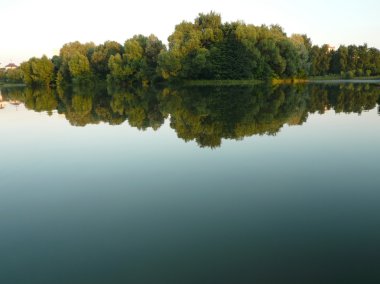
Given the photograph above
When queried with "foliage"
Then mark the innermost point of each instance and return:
(101, 55)
(205, 49)
(77, 55)
(11, 75)
(139, 61)
(38, 71)
(79, 66)
(210, 49)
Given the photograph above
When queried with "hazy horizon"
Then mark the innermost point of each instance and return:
(42, 26)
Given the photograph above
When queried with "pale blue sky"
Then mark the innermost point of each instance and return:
(33, 28)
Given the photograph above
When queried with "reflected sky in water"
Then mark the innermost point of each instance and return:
(280, 190)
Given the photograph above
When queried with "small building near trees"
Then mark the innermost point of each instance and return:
(10, 66)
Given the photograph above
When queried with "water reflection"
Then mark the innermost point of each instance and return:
(107, 205)
(203, 114)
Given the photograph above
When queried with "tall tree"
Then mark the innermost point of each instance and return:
(38, 71)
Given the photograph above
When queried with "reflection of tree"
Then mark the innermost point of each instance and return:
(14, 93)
(40, 99)
(209, 114)
(203, 114)
(141, 107)
(77, 105)
(344, 98)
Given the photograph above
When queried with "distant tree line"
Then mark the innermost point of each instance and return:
(11, 76)
(205, 49)
(347, 61)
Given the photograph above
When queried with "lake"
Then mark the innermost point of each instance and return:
(250, 184)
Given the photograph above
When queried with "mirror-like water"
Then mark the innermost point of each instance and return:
(274, 185)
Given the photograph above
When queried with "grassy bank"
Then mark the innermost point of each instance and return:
(289, 81)
(328, 79)
(334, 79)
(10, 85)
(320, 79)
(221, 82)
(338, 77)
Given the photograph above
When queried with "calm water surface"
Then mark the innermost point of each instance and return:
(198, 185)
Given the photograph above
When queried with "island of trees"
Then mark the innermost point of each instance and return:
(206, 49)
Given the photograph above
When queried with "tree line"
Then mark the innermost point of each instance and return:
(205, 49)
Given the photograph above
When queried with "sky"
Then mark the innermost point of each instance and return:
(33, 28)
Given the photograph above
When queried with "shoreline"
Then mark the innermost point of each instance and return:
(375, 80)
(337, 81)
(205, 83)
(10, 85)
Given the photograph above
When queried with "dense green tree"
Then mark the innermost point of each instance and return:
(210, 49)
(100, 57)
(339, 60)
(302, 45)
(374, 63)
(79, 51)
(152, 50)
(320, 60)
(79, 66)
(11, 75)
(38, 71)
(169, 64)
(116, 66)
(274, 64)
(139, 62)
(353, 57)
(234, 57)
(210, 27)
